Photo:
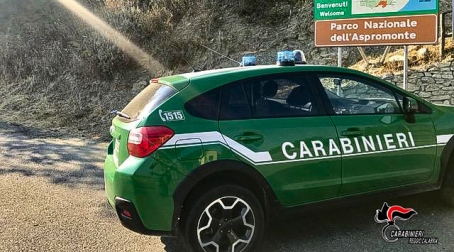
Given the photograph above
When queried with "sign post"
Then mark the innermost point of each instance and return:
(404, 86)
(339, 56)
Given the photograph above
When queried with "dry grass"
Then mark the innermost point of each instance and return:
(57, 71)
(394, 60)
(46, 40)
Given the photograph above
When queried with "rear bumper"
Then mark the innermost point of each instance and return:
(132, 188)
(130, 219)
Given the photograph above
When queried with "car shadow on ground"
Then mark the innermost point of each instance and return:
(64, 161)
(352, 228)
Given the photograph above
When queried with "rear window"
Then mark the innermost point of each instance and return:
(146, 101)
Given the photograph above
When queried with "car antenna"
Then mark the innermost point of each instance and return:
(193, 69)
(225, 56)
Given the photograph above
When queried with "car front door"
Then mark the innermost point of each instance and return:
(380, 148)
(273, 124)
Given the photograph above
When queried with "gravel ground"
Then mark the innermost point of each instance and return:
(52, 194)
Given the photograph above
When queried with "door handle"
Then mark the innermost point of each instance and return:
(252, 137)
(352, 132)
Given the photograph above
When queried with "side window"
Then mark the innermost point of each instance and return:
(206, 105)
(357, 96)
(423, 109)
(282, 96)
(235, 102)
(267, 97)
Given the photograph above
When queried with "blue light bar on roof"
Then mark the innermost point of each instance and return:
(299, 56)
(248, 61)
(285, 58)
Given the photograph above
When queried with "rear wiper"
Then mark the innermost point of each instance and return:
(120, 114)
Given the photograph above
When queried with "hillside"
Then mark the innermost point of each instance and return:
(64, 74)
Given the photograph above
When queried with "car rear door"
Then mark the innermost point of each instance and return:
(274, 124)
(380, 149)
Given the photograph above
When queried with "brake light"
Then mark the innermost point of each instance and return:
(154, 80)
(144, 141)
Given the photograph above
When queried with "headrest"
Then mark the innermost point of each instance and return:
(270, 89)
(299, 96)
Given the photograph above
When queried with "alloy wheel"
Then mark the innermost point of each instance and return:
(227, 224)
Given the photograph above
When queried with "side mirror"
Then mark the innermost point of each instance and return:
(410, 106)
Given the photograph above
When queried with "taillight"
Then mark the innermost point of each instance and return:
(144, 141)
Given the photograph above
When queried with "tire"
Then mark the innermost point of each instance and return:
(447, 188)
(224, 218)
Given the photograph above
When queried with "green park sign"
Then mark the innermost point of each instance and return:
(347, 9)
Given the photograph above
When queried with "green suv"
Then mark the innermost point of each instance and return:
(214, 155)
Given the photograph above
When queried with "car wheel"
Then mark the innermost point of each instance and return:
(224, 218)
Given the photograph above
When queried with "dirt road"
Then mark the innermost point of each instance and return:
(52, 193)
(52, 199)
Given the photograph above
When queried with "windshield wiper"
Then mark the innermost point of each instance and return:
(120, 114)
